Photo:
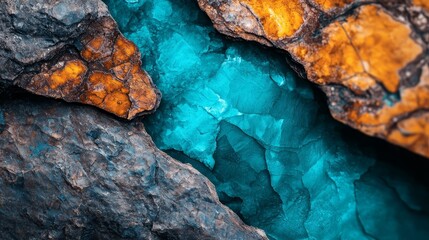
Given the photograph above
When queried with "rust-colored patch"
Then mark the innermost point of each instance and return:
(140, 91)
(106, 92)
(280, 18)
(106, 73)
(384, 45)
(94, 49)
(122, 71)
(333, 60)
(412, 133)
(122, 87)
(60, 80)
(327, 5)
(422, 3)
(68, 77)
(407, 132)
(358, 53)
(369, 48)
(124, 50)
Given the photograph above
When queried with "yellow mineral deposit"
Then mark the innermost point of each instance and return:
(366, 50)
(106, 92)
(422, 3)
(106, 74)
(368, 47)
(280, 18)
(327, 5)
(68, 77)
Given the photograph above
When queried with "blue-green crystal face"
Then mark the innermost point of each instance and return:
(239, 114)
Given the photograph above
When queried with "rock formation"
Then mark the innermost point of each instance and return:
(371, 59)
(264, 137)
(72, 50)
(72, 172)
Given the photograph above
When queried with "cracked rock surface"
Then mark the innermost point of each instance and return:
(369, 57)
(72, 50)
(73, 172)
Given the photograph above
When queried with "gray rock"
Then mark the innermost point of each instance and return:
(73, 172)
(73, 50)
(35, 30)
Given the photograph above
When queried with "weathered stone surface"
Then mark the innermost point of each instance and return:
(72, 172)
(371, 59)
(73, 50)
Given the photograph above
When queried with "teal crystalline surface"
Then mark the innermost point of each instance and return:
(264, 137)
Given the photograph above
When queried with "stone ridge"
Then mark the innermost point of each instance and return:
(370, 58)
(73, 172)
(73, 50)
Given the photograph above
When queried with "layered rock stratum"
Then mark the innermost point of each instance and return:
(73, 50)
(369, 57)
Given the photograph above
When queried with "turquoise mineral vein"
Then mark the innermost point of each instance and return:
(239, 114)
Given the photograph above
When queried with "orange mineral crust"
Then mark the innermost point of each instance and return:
(422, 3)
(106, 92)
(368, 47)
(280, 18)
(404, 123)
(369, 58)
(104, 70)
(327, 5)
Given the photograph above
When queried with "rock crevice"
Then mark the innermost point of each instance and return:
(369, 57)
(71, 172)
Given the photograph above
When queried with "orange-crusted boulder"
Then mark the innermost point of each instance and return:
(371, 59)
(73, 50)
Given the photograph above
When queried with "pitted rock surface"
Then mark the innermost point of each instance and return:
(73, 172)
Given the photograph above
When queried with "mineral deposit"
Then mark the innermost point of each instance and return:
(369, 57)
(264, 137)
(72, 50)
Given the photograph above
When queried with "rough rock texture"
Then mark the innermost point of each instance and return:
(72, 50)
(370, 57)
(72, 172)
(264, 137)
